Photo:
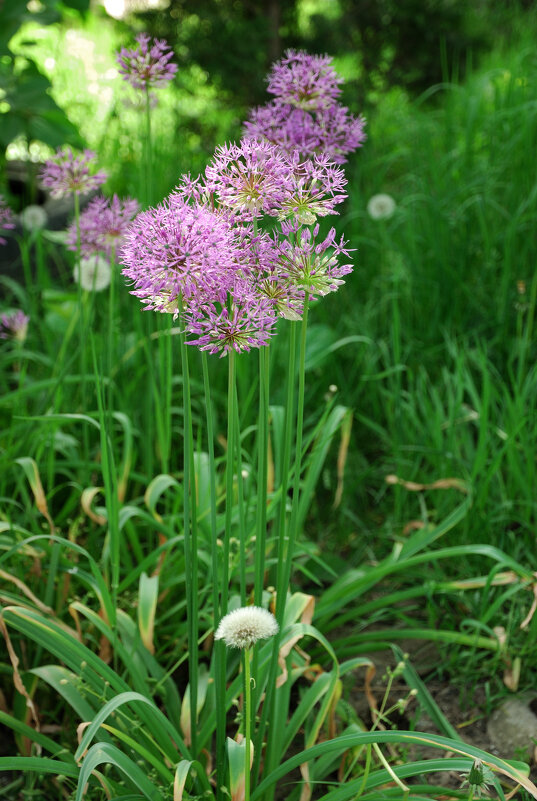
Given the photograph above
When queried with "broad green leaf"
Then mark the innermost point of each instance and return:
(105, 754)
(147, 605)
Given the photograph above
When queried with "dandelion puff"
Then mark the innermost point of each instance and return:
(243, 627)
(92, 273)
(33, 218)
(381, 207)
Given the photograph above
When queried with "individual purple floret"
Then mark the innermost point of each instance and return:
(305, 114)
(305, 81)
(238, 320)
(102, 225)
(312, 266)
(7, 220)
(66, 173)
(147, 67)
(251, 179)
(177, 253)
(14, 325)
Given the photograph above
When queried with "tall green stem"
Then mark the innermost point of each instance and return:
(230, 466)
(191, 544)
(262, 470)
(281, 589)
(292, 528)
(148, 150)
(219, 647)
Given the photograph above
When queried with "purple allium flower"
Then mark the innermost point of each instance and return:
(7, 220)
(313, 267)
(66, 173)
(178, 253)
(102, 225)
(145, 66)
(318, 186)
(305, 81)
(252, 178)
(305, 114)
(14, 325)
(271, 280)
(238, 320)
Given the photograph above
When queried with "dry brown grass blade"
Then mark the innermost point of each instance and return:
(346, 428)
(17, 680)
(442, 483)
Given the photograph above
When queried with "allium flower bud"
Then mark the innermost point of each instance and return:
(243, 627)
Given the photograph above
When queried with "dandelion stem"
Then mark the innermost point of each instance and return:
(247, 721)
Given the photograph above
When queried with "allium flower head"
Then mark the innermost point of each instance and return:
(33, 218)
(239, 319)
(305, 115)
(14, 325)
(66, 173)
(381, 207)
(147, 66)
(243, 627)
(317, 187)
(7, 219)
(93, 273)
(103, 224)
(305, 81)
(178, 253)
(312, 266)
(251, 178)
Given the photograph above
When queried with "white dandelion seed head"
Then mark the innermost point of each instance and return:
(33, 218)
(243, 627)
(381, 207)
(92, 273)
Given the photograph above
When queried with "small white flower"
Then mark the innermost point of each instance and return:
(33, 218)
(381, 207)
(93, 273)
(243, 627)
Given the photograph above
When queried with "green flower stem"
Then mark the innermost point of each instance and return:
(240, 500)
(112, 350)
(82, 305)
(230, 465)
(191, 543)
(148, 150)
(163, 391)
(262, 471)
(292, 528)
(219, 647)
(281, 589)
(247, 653)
